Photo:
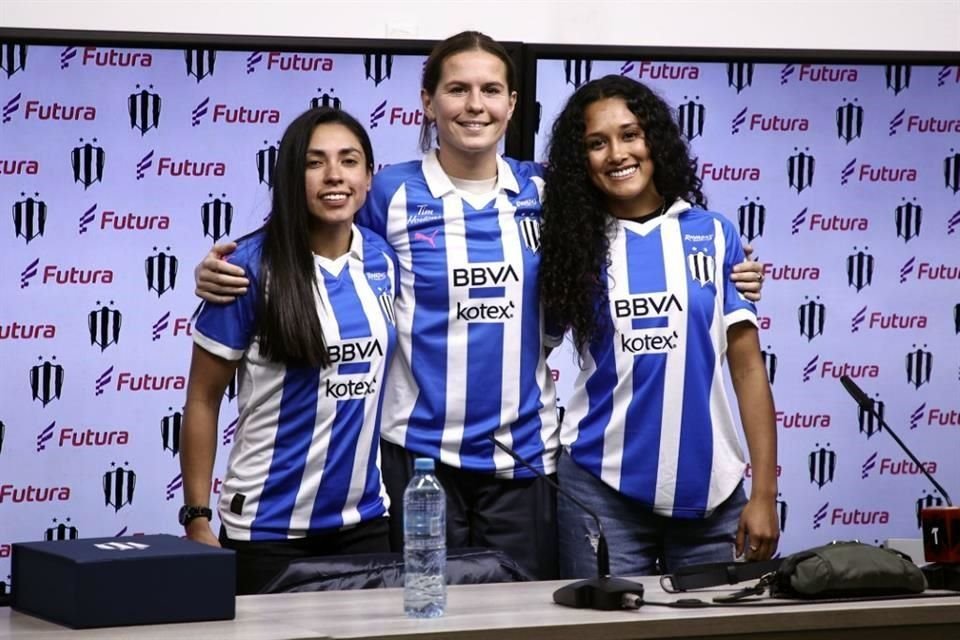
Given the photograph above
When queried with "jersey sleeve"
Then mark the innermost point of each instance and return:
(736, 308)
(373, 213)
(226, 330)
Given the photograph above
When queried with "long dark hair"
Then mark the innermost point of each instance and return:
(574, 243)
(288, 329)
(433, 69)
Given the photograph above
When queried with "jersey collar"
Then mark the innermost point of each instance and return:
(440, 185)
(679, 206)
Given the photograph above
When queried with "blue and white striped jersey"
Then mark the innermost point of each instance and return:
(649, 415)
(306, 456)
(470, 361)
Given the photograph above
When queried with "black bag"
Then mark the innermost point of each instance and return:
(846, 570)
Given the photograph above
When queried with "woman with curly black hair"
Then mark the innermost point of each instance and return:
(640, 272)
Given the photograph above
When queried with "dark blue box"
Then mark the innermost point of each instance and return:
(103, 582)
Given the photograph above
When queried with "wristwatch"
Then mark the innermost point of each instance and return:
(189, 512)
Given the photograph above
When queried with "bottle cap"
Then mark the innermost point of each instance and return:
(423, 464)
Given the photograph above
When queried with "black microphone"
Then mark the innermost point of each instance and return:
(940, 525)
(603, 592)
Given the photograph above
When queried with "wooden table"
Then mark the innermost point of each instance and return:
(525, 610)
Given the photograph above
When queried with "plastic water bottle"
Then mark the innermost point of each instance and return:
(424, 544)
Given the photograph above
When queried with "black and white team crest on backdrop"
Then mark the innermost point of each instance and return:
(385, 301)
(770, 364)
(751, 216)
(88, 161)
(739, 75)
(326, 99)
(118, 486)
(577, 71)
(161, 269)
(170, 431)
(3, 433)
(812, 316)
(29, 218)
(860, 267)
(849, 121)
(919, 367)
(13, 57)
(956, 318)
(908, 217)
(822, 464)
(46, 381)
(782, 510)
(702, 267)
(377, 67)
(951, 172)
(690, 117)
(217, 218)
(898, 77)
(104, 325)
(530, 232)
(926, 501)
(144, 110)
(871, 422)
(266, 163)
(61, 531)
(800, 170)
(200, 62)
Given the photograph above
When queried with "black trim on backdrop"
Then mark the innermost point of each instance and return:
(513, 144)
(519, 142)
(533, 53)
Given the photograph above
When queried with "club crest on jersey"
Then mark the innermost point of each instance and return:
(386, 305)
(702, 268)
(530, 232)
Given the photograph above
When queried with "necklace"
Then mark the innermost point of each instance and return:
(659, 211)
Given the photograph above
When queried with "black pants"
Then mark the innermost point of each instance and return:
(518, 517)
(259, 562)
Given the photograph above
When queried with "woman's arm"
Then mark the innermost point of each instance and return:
(758, 521)
(209, 377)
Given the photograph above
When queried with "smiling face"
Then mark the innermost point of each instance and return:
(618, 159)
(471, 107)
(336, 175)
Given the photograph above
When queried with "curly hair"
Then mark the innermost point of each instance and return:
(575, 240)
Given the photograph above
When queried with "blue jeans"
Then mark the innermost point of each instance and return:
(641, 543)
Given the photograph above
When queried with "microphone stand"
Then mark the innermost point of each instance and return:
(940, 525)
(602, 592)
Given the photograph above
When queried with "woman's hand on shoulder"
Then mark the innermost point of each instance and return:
(748, 276)
(217, 280)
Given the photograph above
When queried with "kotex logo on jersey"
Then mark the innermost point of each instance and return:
(635, 340)
(481, 289)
